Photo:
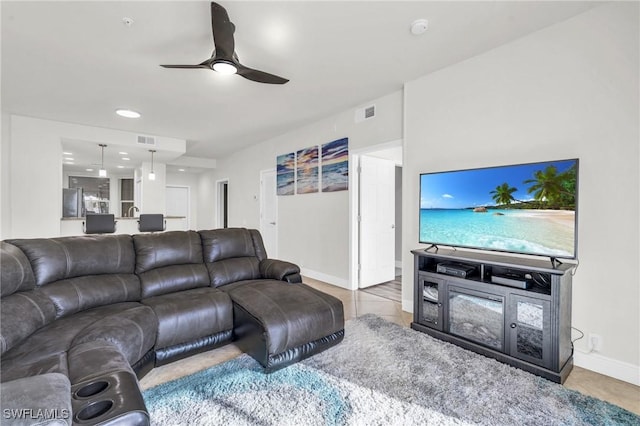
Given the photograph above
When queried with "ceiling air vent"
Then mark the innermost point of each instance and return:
(365, 113)
(146, 140)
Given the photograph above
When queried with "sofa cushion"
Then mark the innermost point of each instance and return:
(290, 314)
(220, 244)
(229, 271)
(58, 336)
(81, 293)
(54, 259)
(172, 279)
(191, 314)
(55, 363)
(21, 314)
(132, 331)
(232, 254)
(168, 248)
(15, 273)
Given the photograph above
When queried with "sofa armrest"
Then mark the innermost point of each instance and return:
(280, 270)
(43, 400)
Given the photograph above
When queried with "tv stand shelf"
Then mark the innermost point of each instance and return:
(516, 310)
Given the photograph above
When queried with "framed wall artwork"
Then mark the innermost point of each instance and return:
(285, 173)
(307, 162)
(335, 165)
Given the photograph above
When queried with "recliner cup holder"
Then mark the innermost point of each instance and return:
(94, 410)
(93, 388)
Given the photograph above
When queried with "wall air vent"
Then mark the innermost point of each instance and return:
(365, 113)
(146, 140)
(370, 111)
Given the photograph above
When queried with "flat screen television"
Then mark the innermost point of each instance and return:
(523, 208)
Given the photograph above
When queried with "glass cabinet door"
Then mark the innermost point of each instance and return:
(432, 290)
(530, 329)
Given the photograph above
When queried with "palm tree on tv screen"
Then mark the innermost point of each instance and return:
(553, 188)
(502, 195)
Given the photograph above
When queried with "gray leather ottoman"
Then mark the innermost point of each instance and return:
(279, 324)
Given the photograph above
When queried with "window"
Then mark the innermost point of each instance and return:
(126, 198)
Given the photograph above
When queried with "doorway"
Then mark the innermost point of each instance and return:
(377, 220)
(269, 211)
(222, 211)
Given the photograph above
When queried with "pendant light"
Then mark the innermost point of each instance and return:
(152, 175)
(102, 172)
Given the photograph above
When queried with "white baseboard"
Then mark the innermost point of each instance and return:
(608, 366)
(330, 279)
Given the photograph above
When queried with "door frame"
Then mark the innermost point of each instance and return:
(354, 207)
(262, 202)
(221, 203)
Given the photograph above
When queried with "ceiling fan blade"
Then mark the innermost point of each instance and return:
(260, 76)
(222, 29)
(184, 66)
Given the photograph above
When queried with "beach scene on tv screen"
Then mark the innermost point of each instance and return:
(525, 208)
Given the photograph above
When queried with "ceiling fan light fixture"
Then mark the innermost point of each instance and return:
(224, 67)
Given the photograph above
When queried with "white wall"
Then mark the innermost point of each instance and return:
(570, 90)
(313, 229)
(5, 175)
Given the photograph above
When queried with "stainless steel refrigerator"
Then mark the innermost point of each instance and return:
(72, 202)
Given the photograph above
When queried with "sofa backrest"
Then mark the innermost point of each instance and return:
(232, 254)
(169, 261)
(22, 310)
(79, 273)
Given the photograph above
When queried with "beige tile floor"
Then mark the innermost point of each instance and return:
(358, 303)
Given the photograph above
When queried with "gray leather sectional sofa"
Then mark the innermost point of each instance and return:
(82, 318)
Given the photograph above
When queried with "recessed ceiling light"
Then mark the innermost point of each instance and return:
(89, 170)
(68, 158)
(181, 170)
(67, 153)
(121, 167)
(126, 158)
(123, 153)
(127, 113)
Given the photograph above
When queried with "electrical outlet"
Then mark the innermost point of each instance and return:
(595, 342)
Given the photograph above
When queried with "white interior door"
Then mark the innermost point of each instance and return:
(377, 221)
(177, 202)
(269, 212)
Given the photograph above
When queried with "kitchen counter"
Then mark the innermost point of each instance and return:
(70, 226)
(121, 218)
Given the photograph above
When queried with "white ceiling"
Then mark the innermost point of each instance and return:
(77, 61)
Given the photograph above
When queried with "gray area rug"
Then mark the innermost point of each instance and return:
(381, 374)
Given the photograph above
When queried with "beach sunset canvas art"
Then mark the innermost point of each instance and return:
(285, 173)
(335, 165)
(307, 170)
(525, 208)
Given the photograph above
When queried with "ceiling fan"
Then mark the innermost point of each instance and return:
(224, 59)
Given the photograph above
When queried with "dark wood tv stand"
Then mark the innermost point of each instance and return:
(516, 310)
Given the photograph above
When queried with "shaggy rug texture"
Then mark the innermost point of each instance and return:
(381, 374)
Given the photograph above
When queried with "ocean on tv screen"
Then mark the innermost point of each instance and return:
(540, 232)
